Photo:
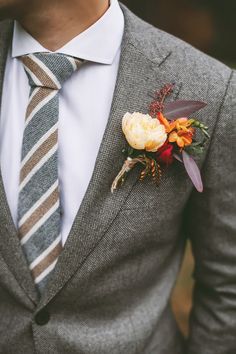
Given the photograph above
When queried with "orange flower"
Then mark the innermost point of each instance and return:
(164, 121)
(178, 124)
(181, 137)
(168, 125)
(179, 130)
(183, 124)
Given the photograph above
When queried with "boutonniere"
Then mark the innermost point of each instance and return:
(165, 135)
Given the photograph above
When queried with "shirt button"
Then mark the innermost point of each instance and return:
(42, 317)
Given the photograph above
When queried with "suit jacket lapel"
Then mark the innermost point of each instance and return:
(6, 28)
(139, 75)
(9, 242)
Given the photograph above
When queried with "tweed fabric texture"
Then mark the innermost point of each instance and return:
(110, 292)
(39, 200)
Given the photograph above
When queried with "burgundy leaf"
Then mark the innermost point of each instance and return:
(193, 171)
(181, 109)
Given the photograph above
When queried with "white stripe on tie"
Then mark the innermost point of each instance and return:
(38, 144)
(40, 223)
(38, 203)
(40, 105)
(36, 90)
(73, 63)
(33, 76)
(45, 253)
(45, 272)
(36, 168)
(46, 70)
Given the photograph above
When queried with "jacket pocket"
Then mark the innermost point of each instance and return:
(147, 195)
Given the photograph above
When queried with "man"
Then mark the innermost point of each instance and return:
(83, 270)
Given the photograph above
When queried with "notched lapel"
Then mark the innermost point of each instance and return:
(138, 76)
(6, 29)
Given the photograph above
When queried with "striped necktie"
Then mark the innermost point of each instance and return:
(39, 205)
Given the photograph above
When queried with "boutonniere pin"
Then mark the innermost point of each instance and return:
(165, 135)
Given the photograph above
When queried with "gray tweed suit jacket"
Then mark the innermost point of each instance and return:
(112, 284)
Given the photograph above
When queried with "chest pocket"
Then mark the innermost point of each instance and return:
(172, 188)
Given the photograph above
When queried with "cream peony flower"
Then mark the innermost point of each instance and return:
(143, 132)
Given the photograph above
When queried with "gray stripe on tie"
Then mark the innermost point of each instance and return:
(34, 246)
(38, 185)
(39, 125)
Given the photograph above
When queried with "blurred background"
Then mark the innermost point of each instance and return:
(207, 24)
(210, 26)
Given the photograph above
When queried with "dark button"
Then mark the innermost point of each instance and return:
(42, 317)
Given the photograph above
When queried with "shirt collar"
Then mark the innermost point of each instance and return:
(99, 43)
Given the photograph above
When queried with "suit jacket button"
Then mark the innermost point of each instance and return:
(42, 317)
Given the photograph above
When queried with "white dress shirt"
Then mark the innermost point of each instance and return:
(84, 105)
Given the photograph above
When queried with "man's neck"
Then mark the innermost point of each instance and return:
(54, 23)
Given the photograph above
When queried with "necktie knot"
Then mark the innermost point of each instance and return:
(49, 70)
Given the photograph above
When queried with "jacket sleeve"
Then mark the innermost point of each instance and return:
(210, 223)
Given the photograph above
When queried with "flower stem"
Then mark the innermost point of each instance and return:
(127, 166)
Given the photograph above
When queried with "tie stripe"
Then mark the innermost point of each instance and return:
(37, 205)
(45, 253)
(42, 77)
(24, 179)
(47, 95)
(48, 258)
(39, 202)
(35, 227)
(33, 93)
(38, 145)
(40, 97)
(45, 273)
(38, 213)
(42, 151)
(48, 74)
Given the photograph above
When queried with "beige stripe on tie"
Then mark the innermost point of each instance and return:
(39, 213)
(48, 260)
(46, 146)
(37, 99)
(39, 73)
